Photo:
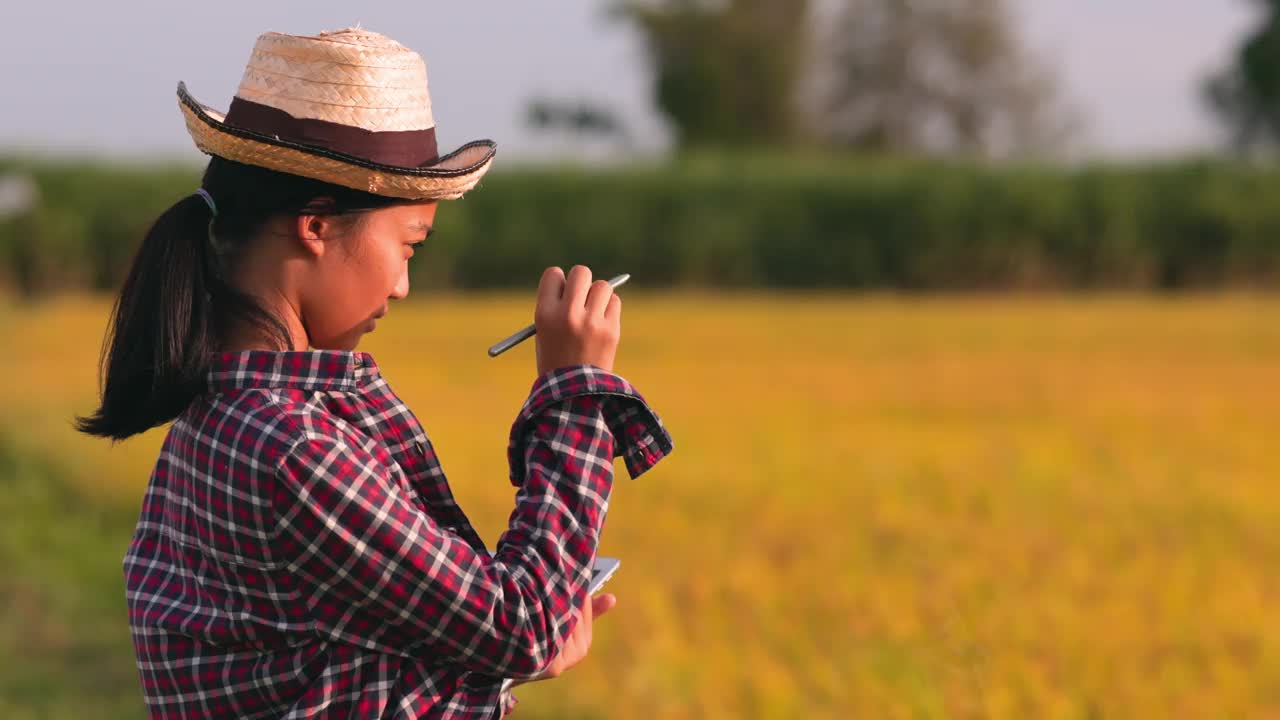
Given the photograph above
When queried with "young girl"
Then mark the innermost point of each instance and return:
(299, 552)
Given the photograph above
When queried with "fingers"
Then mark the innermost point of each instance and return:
(602, 604)
(576, 286)
(551, 286)
(598, 296)
(588, 613)
(594, 606)
(583, 631)
(578, 289)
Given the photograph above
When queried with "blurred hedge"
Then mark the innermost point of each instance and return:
(750, 221)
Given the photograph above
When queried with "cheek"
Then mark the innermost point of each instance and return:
(369, 277)
(346, 294)
(368, 280)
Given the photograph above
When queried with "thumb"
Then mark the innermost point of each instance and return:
(602, 604)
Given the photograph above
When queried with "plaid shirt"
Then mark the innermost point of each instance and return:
(299, 553)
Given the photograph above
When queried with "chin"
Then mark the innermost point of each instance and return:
(346, 339)
(347, 344)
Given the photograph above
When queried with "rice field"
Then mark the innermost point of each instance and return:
(878, 506)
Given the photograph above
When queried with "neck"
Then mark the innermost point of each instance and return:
(264, 276)
(242, 335)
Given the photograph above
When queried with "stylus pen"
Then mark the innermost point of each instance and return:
(528, 332)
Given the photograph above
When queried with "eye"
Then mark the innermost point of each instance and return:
(418, 244)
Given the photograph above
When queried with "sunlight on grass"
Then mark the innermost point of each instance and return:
(959, 507)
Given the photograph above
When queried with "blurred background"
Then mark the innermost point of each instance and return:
(962, 314)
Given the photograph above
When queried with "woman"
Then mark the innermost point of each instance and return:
(299, 552)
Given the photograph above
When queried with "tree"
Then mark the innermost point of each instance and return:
(1246, 95)
(936, 75)
(893, 75)
(725, 73)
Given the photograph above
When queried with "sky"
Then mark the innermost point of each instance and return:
(100, 78)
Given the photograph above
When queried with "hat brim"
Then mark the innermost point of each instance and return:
(447, 178)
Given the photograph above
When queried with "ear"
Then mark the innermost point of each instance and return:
(316, 231)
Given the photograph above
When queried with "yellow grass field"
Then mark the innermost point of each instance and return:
(964, 507)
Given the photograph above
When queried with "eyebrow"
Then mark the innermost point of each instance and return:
(422, 226)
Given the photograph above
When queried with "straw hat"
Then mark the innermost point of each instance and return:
(347, 106)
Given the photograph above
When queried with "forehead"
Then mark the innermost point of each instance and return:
(414, 215)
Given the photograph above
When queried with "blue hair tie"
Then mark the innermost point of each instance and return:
(208, 199)
(213, 241)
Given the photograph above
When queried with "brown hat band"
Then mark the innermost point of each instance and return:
(404, 148)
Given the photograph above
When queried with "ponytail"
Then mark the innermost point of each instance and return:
(177, 302)
(160, 333)
(163, 329)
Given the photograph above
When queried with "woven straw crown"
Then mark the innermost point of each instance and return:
(357, 78)
(348, 106)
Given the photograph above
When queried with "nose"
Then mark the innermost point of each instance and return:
(401, 290)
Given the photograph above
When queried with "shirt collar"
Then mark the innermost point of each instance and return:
(299, 369)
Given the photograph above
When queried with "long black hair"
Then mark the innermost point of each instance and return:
(178, 300)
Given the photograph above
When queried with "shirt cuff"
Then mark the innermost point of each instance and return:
(639, 435)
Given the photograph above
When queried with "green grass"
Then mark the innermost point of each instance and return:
(64, 640)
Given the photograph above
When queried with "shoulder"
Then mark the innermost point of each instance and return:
(264, 426)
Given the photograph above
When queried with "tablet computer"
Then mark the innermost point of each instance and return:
(604, 569)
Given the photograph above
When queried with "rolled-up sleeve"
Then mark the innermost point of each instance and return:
(373, 570)
(640, 437)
